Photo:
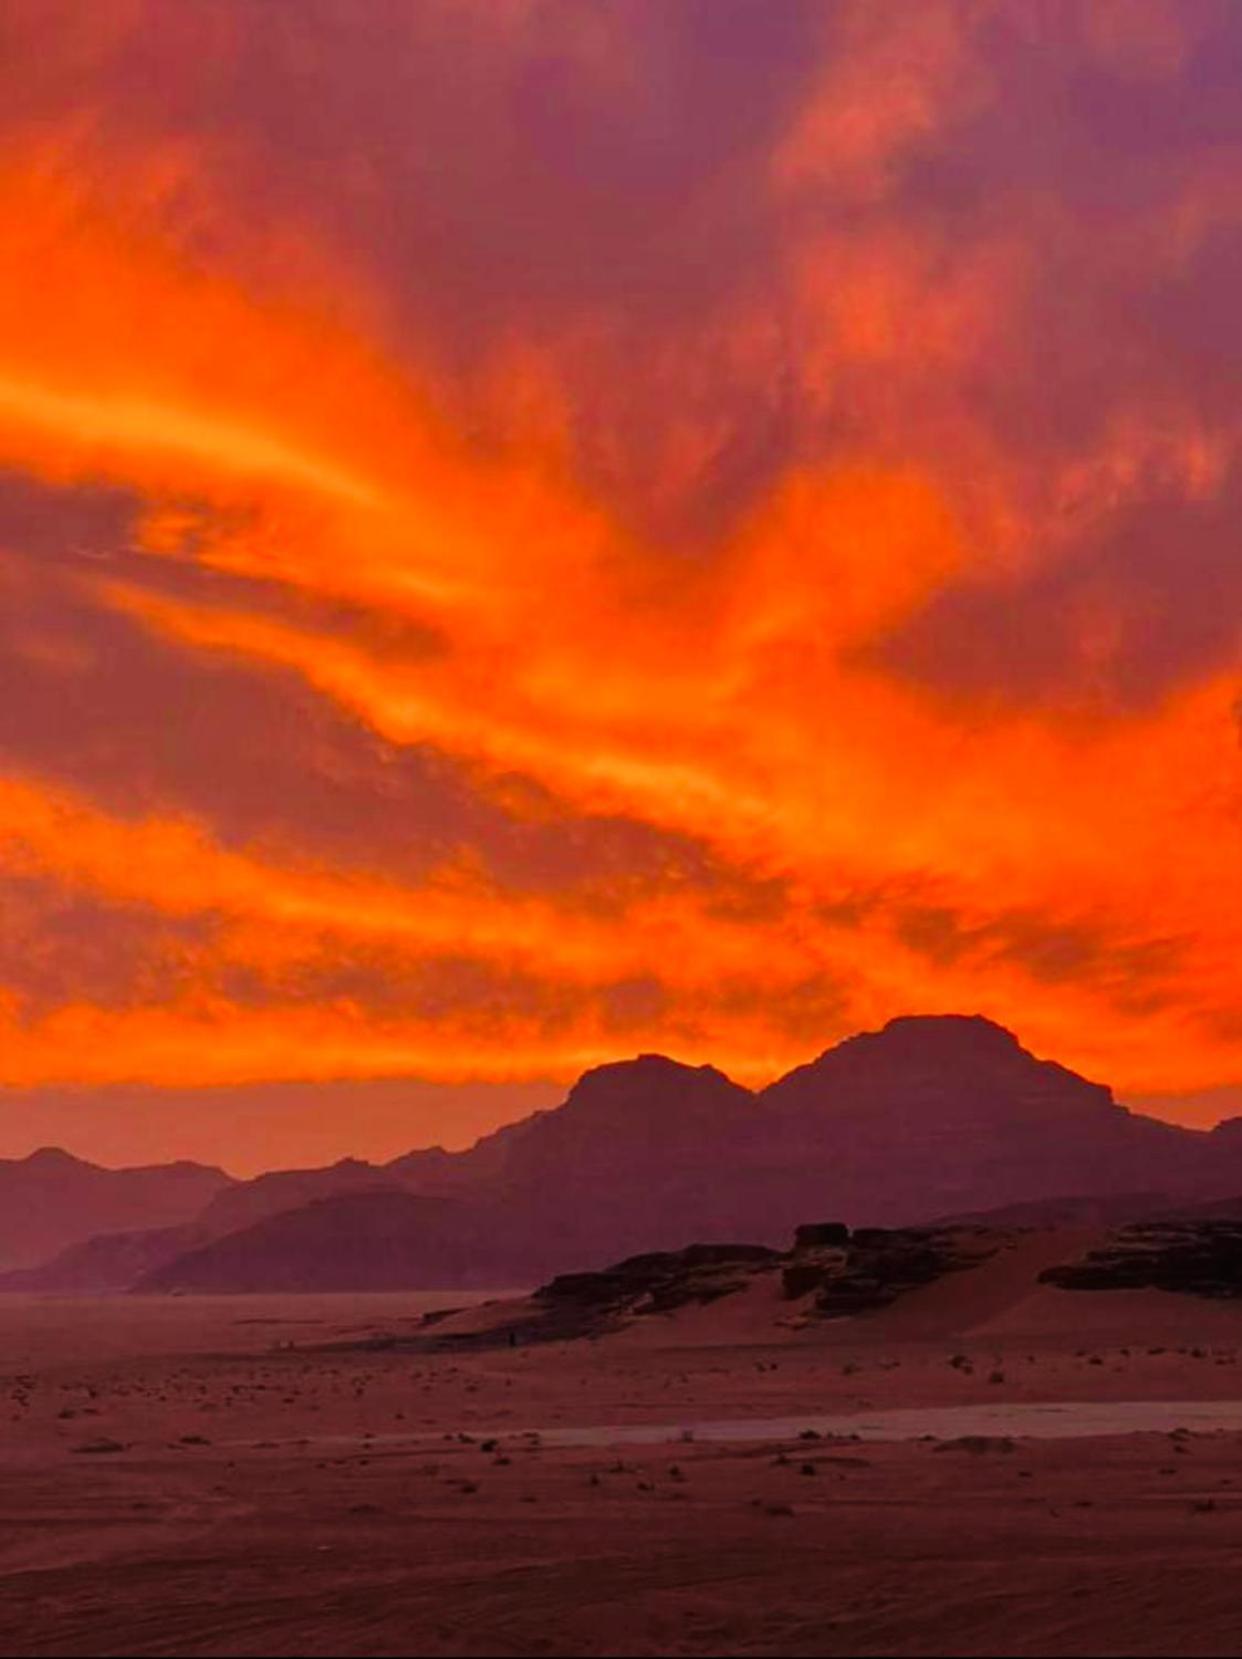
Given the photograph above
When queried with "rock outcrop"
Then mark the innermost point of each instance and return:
(660, 1281)
(1189, 1256)
(876, 1266)
(858, 1274)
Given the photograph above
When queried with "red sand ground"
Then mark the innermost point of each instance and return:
(249, 1513)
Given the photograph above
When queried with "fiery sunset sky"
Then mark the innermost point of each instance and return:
(533, 530)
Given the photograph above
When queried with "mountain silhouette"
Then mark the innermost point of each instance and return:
(52, 1199)
(928, 1117)
(379, 1240)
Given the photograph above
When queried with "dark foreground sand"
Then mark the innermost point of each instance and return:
(277, 1500)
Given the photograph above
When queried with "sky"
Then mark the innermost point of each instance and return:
(533, 531)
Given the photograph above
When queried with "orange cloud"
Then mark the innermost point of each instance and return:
(651, 548)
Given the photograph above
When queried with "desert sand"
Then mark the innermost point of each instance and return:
(252, 1475)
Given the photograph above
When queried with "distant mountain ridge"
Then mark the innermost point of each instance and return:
(51, 1200)
(928, 1117)
(363, 1240)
